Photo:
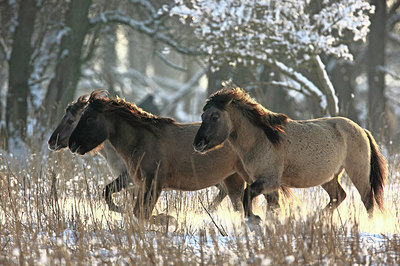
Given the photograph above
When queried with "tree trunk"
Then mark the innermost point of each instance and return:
(63, 85)
(19, 71)
(138, 55)
(274, 97)
(343, 81)
(109, 59)
(376, 63)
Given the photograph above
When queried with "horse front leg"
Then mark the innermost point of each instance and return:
(116, 185)
(260, 186)
(272, 199)
(234, 185)
(147, 198)
(336, 192)
(216, 201)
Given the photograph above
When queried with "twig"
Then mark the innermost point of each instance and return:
(186, 88)
(169, 63)
(220, 229)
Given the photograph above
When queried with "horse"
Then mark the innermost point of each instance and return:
(157, 152)
(59, 140)
(276, 150)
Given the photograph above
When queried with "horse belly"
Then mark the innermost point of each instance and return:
(311, 173)
(313, 159)
(203, 178)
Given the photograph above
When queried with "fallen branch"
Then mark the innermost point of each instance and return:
(220, 229)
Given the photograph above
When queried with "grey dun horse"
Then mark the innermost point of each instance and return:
(276, 150)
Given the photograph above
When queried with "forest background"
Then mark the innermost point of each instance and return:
(304, 58)
(312, 59)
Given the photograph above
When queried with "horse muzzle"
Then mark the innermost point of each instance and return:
(200, 146)
(75, 148)
(52, 145)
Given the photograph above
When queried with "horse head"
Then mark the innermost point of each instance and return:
(215, 129)
(60, 136)
(89, 133)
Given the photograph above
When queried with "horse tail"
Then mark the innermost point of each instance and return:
(378, 172)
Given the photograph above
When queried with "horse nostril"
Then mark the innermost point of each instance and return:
(199, 144)
(72, 146)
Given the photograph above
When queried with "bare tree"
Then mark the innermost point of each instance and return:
(19, 70)
(376, 63)
(62, 86)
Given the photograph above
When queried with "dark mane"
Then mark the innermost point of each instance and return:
(131, 113)
(271, 123)
(77, 106)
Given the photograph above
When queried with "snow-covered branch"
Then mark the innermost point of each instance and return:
(325, 101)
(391, 22)
(326, 86)
(278, 33)
(148, 27)
(183, 91)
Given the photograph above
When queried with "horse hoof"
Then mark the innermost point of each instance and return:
(254, 220)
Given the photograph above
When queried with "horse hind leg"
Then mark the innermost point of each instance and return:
(335, 191)
(216, 201)
(359, 174)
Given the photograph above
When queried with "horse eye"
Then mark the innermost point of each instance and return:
(214, 118)
(70, 121)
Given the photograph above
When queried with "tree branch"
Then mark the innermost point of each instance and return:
(183, 91)
(169, 63)
(325, 101)
(142, 27)
(393, 8)
(327, 87)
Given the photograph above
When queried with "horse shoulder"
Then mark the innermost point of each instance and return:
(114, 161)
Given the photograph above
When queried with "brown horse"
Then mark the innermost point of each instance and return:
(157, 151)
(59, 140)
(276, 150)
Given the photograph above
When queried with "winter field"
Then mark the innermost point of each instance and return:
(52, 212)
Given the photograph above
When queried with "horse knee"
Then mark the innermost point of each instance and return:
(338, 197)
(262, 185)
(272, 199)
(236, 202)
(218, 198)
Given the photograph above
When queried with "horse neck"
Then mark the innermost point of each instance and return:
(131, 141)
(114, 161)
(247, 135)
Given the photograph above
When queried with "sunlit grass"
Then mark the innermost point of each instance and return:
(52, 212)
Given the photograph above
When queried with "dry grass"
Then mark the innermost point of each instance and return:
(51, 212)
